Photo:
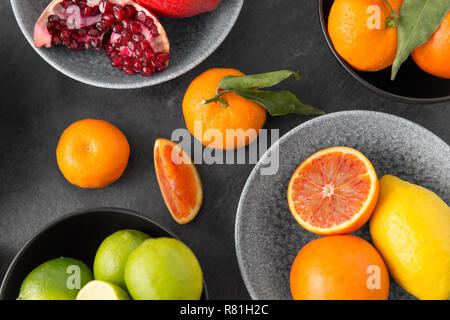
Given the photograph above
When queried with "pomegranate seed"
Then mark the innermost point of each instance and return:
(119, 13)
(149, 54)
(134, 27)
(143, 45)
(147, 71)
(132, 45)
(105, 7)
(95, 43)
(137, 66)
(138, 37)
(108, 19)
(141, 17)
(117, 28)
(128, 71)
(54, 19)
(149, 22)
(139, 53)
(130, 11)
(154, 31)
(117, 62)
(82, 33)
(86, 11)
(93, 32)
(56, 40)
(162, 57)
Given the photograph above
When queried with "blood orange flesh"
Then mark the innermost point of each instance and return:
(178, 180)
(334, 191)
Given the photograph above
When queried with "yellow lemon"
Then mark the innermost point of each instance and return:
(411, 229)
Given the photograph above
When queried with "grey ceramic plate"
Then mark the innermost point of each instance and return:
(267, 236)
(192, 41)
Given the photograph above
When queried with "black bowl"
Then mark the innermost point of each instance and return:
(77, 235)
(412, 85)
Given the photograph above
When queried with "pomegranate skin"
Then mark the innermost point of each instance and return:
(180, 8)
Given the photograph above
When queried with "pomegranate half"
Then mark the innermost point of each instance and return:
(132, 37)
(180, 8)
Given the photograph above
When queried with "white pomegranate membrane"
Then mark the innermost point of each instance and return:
(131, 36)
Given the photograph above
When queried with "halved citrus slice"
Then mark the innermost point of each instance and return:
(178, 180)
(102, 290)
(334, 191)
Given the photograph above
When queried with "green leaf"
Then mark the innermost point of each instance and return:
(278, 103)
(419, 19)
(262, 80)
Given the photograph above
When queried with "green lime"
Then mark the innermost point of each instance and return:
(112, 255)
(102, 290)
(163, 269)
(57, 279)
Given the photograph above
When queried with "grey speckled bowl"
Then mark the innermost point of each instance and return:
(267, 236)
(192, 41)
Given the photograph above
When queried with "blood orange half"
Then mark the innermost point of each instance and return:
(178, 180)
(334, 191)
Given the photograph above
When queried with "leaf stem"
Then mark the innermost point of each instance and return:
(218, 98)
(391, 21)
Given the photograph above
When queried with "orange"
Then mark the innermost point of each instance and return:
(358, 38)
(92, 153)
(434, 55)
(178, 180)
(334, 191)
(339, 268)
(209, 122)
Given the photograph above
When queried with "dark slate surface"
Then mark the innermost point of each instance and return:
(38, 103)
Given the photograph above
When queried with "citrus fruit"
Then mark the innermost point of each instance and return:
(102, 290)
(112, 255)
(57, 279)
(334, 191)
(434, 55)
(339, 268)
(92, 153)
(178, 180)
(366, 39)
(163, 269)
(410, 227)
(209, 122)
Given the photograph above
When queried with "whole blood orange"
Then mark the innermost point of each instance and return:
(178, 180)
(334, 191)
(92, 153)
(339, 268)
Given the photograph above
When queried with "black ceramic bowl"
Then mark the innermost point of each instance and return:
(412, 85)
(76, 235)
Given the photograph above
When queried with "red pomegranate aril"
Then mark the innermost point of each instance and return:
(132, 45)
(117, 62)
(162, 57)
(119, 13)
(108, 19)
(130, 11)
(134, 27)
(141, 17)
(149, 23)
(149, 54)
(86, 11)
(147, 71)
(117, 28)
(105, 7)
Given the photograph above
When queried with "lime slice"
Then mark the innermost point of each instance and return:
(102, 290)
